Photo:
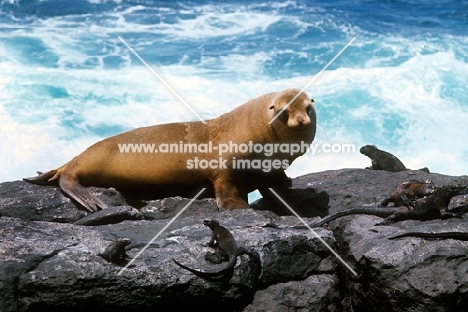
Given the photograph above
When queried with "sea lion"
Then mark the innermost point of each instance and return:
(159, 174)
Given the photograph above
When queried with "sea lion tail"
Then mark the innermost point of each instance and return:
(46, 178)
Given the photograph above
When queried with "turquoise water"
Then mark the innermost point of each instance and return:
(67, 81)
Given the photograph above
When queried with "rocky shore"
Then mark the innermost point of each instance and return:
(49, 252)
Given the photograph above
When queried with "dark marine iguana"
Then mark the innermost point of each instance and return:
(115, 252)
(407, 191)
(225, 247)
(443, 235)
(382, 160)
(433, 206)
(416, 200)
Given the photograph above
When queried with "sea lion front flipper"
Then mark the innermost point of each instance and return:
(228, 196)
(79, 193)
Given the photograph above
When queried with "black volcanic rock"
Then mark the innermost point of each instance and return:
(52, 265)
(315, 293)
(32, 202)
(307, 202)
(47, 263)
(110, 215)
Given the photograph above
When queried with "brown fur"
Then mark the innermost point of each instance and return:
(158, 175)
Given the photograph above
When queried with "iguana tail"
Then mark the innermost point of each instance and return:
(375, 211)
(210, 274)
(444, 235)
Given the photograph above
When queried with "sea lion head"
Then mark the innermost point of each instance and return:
(297, 114)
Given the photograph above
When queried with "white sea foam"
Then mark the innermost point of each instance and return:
(406, 95)
(429, 132)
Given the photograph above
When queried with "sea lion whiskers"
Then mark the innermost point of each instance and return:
(286, 127)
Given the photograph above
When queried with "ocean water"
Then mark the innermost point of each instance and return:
(67, 80)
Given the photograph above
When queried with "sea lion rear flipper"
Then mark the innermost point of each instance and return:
(46, 178)
(79, 193)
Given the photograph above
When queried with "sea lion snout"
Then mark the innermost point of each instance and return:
(301, 117)
(299, 122)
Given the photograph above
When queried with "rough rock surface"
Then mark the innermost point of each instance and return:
(46, 262)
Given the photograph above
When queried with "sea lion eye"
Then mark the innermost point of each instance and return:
(309, 110)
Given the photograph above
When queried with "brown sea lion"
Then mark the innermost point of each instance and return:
(228, 173)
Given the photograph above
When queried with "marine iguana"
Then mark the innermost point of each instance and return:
(115, 252)
(382, 160)
(433, 206)
(401, 198)
(374, 211)
(443, 235)
(225, 247)
(407, 191)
